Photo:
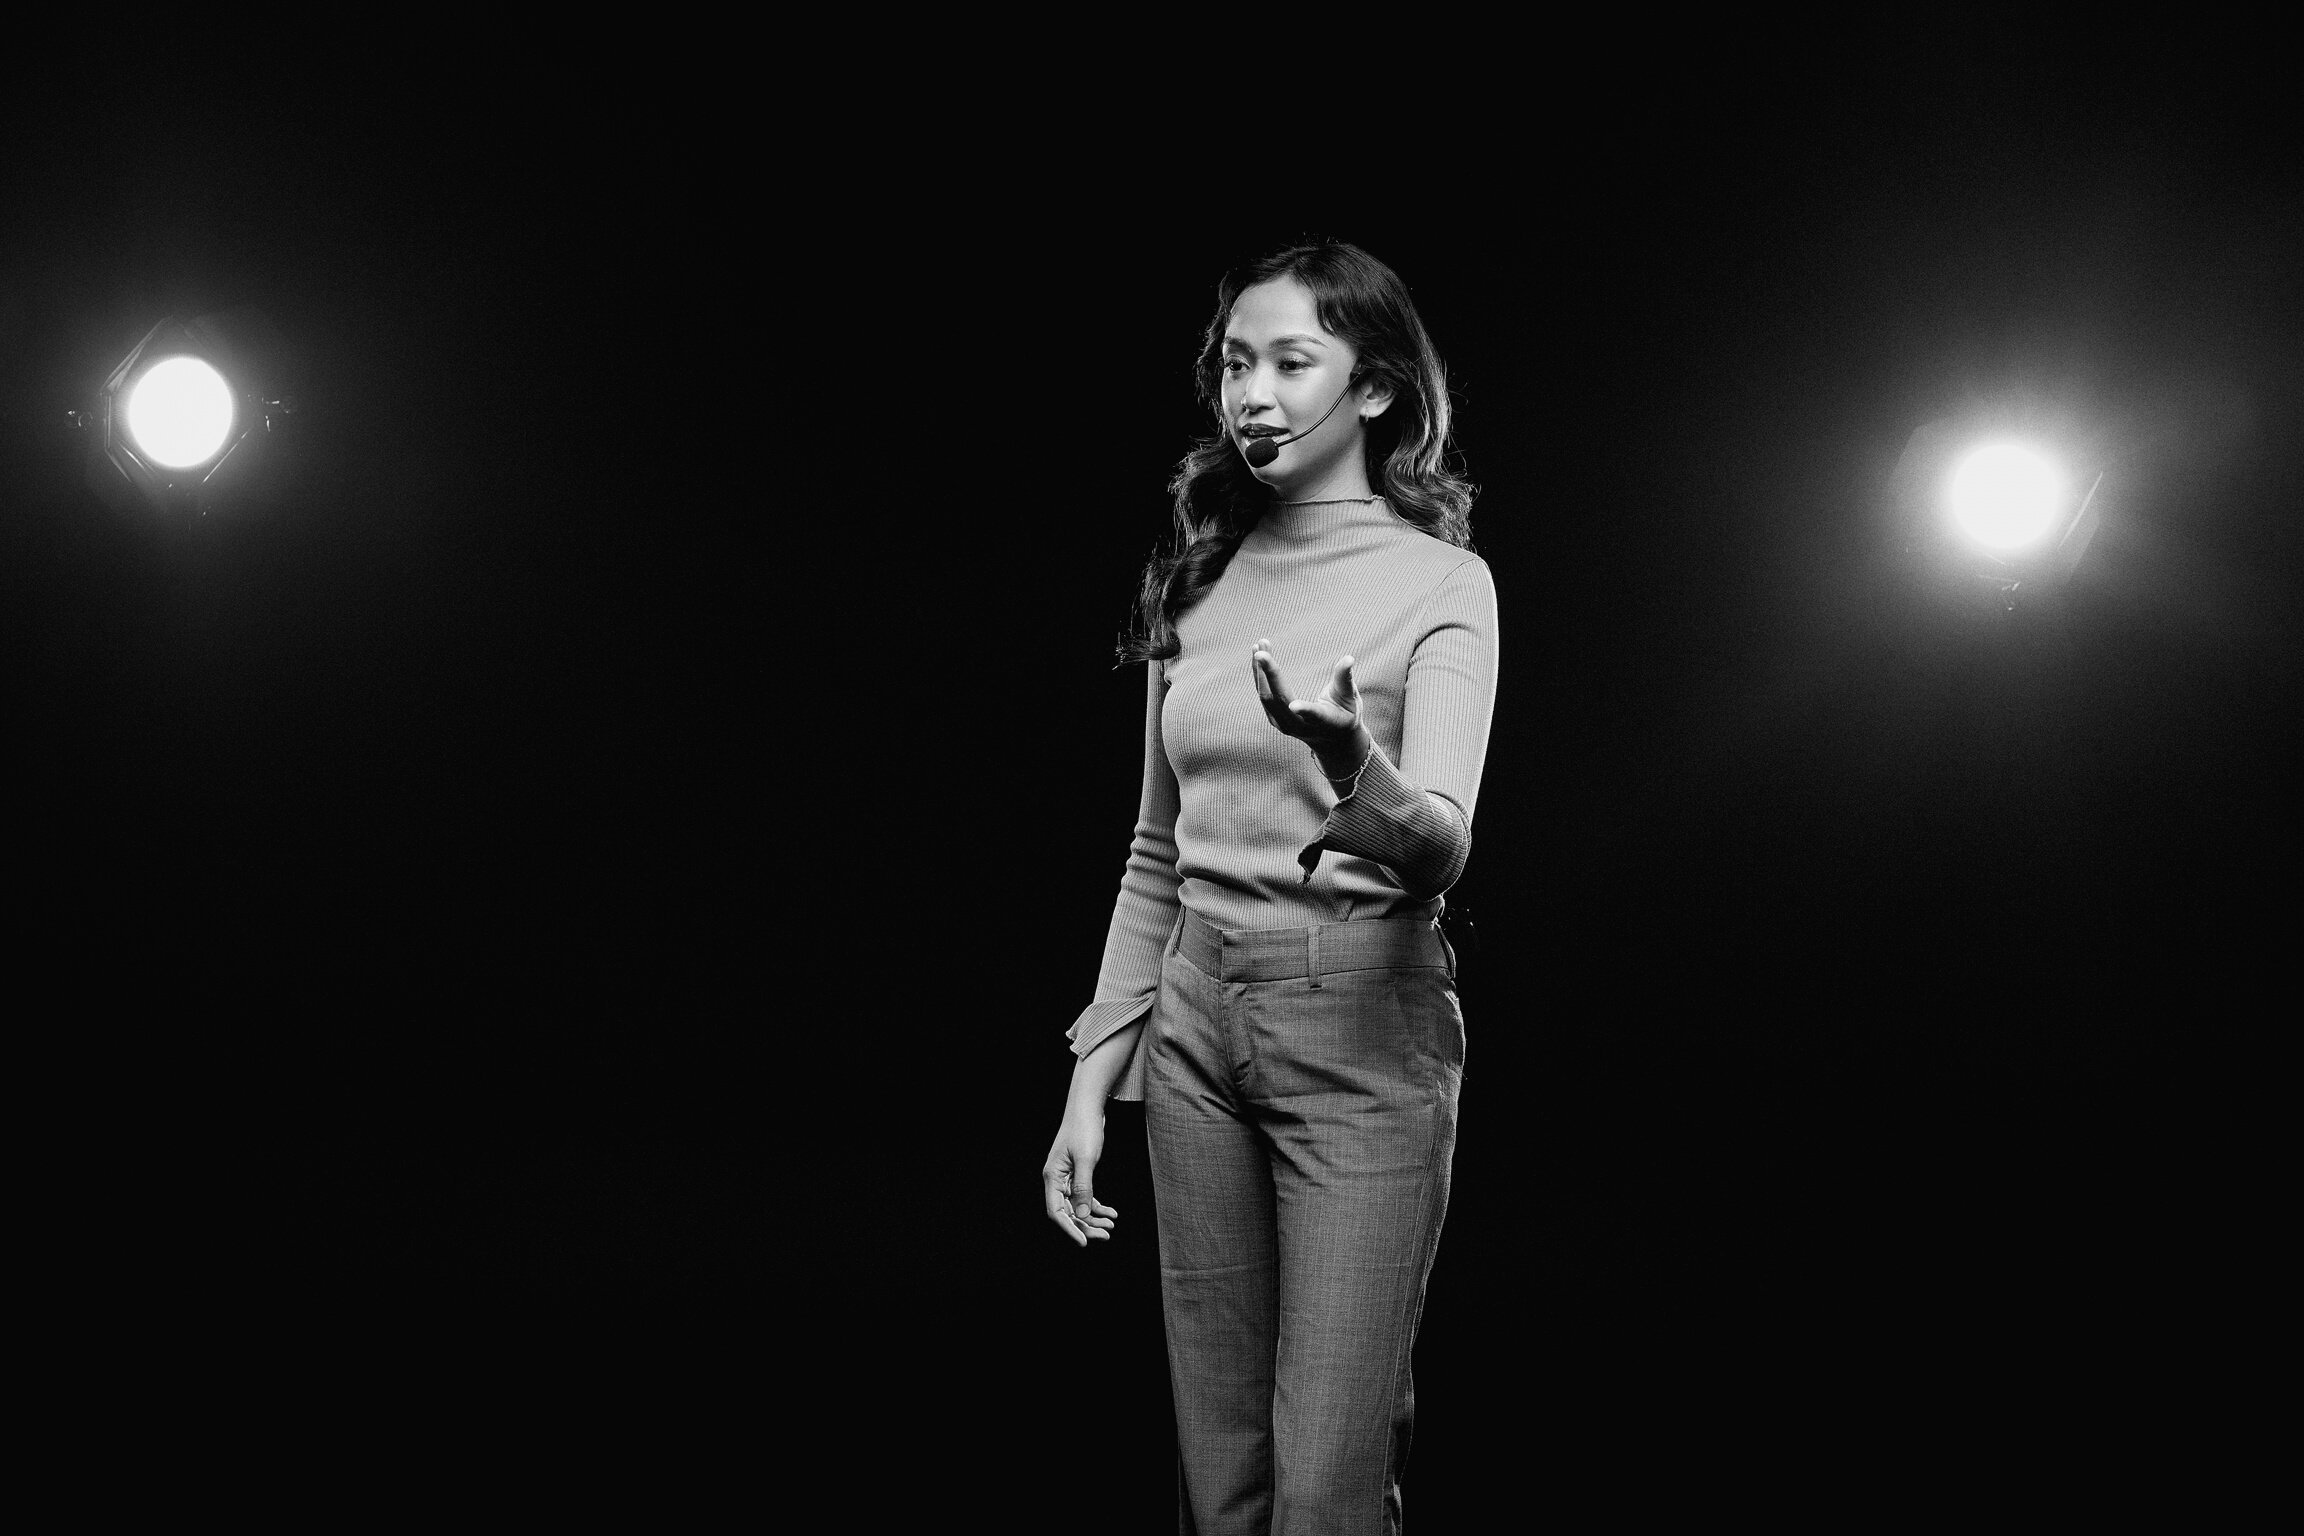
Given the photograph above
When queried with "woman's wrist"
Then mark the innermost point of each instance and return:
(1095, 1074)
(1344, 758)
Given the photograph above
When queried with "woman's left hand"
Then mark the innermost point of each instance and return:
(1329, 723)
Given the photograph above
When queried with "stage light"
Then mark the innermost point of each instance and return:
(1998, 504)
(2005, 496)
(181, 423)
(180, 412)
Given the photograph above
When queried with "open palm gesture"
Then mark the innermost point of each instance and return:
(1328, 722)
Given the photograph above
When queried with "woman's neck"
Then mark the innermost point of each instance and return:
(1347, 481)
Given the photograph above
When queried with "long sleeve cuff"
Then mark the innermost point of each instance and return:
(1420, 836)
(1098, 1020)
(1096, 1025)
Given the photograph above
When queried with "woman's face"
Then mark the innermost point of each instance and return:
(1281, 373)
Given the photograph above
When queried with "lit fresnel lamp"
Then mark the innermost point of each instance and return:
(1994, 511)
(180, 424)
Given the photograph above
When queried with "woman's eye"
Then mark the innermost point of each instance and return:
(1286, 365)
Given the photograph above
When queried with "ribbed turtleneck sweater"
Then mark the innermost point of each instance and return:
(1234, 813)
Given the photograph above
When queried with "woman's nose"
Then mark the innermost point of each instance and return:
(1256, 391)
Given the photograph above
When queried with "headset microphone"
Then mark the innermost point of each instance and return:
(1263, 450)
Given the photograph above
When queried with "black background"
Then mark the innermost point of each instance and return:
(562, 910)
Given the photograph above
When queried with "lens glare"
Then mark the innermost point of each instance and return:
(180, 412)
(2005, 496)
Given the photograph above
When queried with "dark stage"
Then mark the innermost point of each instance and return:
(544, 934)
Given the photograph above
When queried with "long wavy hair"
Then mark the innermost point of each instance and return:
(1218, 499)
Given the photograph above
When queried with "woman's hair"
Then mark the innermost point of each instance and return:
(1218, 499)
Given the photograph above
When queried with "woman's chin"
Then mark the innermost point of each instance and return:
(1283, 478)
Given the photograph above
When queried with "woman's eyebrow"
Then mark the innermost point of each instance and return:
(1312, 341)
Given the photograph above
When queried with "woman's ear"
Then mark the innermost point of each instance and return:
(1377, 401)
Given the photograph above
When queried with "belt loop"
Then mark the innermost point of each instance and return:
(1312, 952)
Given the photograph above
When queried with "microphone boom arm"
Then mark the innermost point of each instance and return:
(1264, 450)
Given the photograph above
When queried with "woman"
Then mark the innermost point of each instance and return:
(1275, 985)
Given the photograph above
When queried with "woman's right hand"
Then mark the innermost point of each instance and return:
(1068, 1178)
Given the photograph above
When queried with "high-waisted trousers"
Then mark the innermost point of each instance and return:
(1300, 1100)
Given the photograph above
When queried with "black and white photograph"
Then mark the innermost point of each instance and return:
(1457, 789)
